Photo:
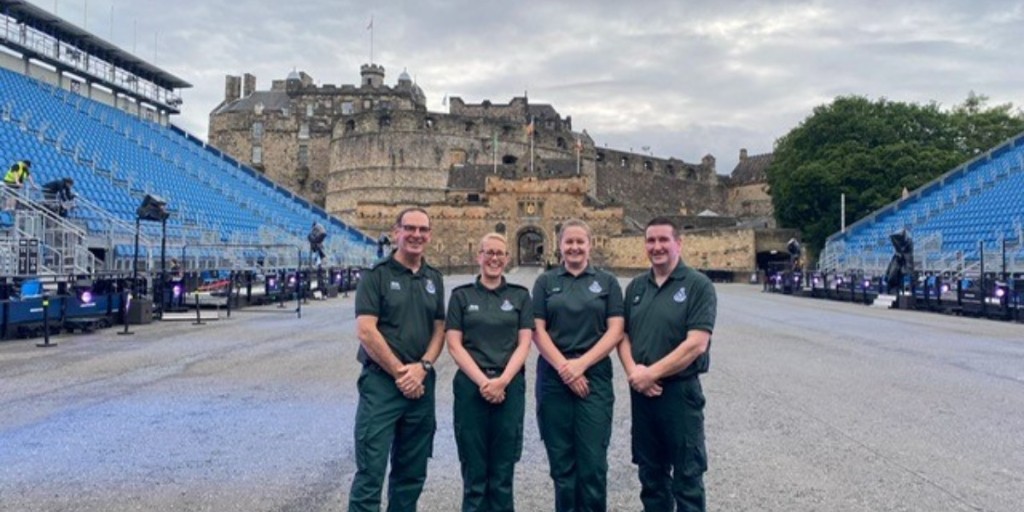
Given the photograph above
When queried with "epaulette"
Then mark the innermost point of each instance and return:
(461, 286)
(514, 285)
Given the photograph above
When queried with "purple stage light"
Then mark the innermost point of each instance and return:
(86, 297)
(944, 288)
(1000, 292)
(176, 290)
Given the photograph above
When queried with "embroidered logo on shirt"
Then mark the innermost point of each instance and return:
(507, 306)
(430, 287)
(636, 299)
(680, 296)
(473, 307)
(395, 285)
(595, 287)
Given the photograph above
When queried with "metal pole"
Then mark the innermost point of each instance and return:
(842, 212)
(46, 324)
(199, 320)
(163, 264)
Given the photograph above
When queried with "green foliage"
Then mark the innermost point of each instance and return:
(871, 151)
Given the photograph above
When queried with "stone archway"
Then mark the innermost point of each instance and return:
(530, 247)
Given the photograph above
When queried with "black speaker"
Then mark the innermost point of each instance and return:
(153, 208)
(140, 311)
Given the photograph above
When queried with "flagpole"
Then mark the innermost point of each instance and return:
(370, 27)
(533, 128)
(579, 151)
(494, 146)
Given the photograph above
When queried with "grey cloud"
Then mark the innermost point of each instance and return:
(684, 78)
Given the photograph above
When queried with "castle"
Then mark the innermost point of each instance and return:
(366, 151)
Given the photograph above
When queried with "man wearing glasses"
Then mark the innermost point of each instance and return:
(400, 320)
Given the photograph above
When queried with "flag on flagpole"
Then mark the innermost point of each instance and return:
(370, 26)
(444, 101)
(530, 128)
(579, 145)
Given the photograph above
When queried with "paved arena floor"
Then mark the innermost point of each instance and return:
(812, 406)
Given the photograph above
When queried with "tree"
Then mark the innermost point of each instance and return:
(869, 151)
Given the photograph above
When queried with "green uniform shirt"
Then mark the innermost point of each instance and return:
(490, 320)
(576, 309)
(657, 319)
(406, 305)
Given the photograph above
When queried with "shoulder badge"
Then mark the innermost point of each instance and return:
(680, 295)
(595, 287)
(430, 287)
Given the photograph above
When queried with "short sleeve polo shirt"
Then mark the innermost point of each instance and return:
(576, 309)
(406, 304)
(490, 320)
(658, 318)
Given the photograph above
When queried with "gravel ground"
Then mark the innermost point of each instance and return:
(812, 406)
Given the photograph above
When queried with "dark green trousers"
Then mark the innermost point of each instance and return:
(668, 446)
(387, 423)
(576, 432)
(490, 441)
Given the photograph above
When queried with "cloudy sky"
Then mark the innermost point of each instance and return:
(679, 78)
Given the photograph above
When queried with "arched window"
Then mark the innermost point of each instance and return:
(509, 160)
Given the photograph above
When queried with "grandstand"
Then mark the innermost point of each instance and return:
(966, 220)
(69, 109)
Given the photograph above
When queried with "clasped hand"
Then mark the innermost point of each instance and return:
(643, 381)
(493, 390)
(572, 375)
(410, 380)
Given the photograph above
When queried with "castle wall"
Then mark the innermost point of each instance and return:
(646, 194)
(749, 201)
(232, 133)
(730, 250)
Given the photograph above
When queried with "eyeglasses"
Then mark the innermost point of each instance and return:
(494, 254)
(414, 229)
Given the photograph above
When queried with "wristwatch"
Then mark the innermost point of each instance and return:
(427, 365)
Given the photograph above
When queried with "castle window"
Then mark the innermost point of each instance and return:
(648, 165)
(367, 104)
(623, 162)
(670, 170)
(350, 125)
(691, 174)
(429, 123)
(469, 126)
(304, 131)
(347, 108)
(561, 143)
(385, 121)
(257, 155)
(309, 110)
(303, 155)
(457, 157)
(499, 228)
(384, 105)
(473, 198)
(258, 108)
(257, 130)
(600, 156)
(509, 160)
(506, 130)
(285, 111)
